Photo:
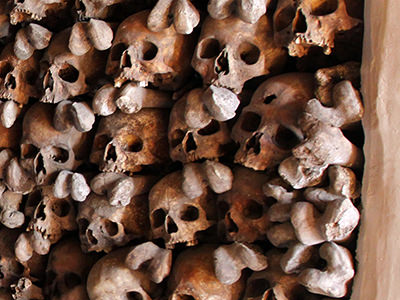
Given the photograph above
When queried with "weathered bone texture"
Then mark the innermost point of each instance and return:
(242, 211)
(35, 10)
(111, 278)
(10, 205)
(282, 235)
(227, 62)
(65, 75)
(333, 280)
(160, 58)
(181, 13)
(267, 128)
(73, 114)
(31, 38)
(175, 217)
(231, 259)
(69, 183)
(193, 277)
(297, 258)
(248, 10)
(208, 138)
(127, 142)
(300, 25)
(103, 226)
(25, 289)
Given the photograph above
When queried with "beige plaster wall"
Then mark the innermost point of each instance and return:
(378, 251)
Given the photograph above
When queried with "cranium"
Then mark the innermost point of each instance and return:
(229, 62)
(267, 128)
(126, 142)
(160, 58)
(29, 10)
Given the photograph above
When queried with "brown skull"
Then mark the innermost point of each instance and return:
(231, 51)
(138, 54)
(175, 217)
(267, 128)
(10, 268)
(126, 142)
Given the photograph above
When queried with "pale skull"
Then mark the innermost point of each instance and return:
(29, 10)
(65, 75)
(242, 211)
(190, 144)
(18, 78)
(193, 277)
(160, 58)
(127, 142)
(175, 217)
(103, 226)
(46, 151)
(267, 128)
(231, 51)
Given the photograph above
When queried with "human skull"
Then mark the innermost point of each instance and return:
(160, 58)
(66, 271)
(193, 277)
(126, 142)
(44, 150)
(188, 144)
(18, 78)
(311, 23)
(29, 10)
(175, 217)
(242, 211)
(231, 51)
(66, 75)
(267, 128)
(103, 226)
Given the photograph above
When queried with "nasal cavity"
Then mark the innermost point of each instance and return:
(171, 226)
(125, 60)
(10, 82)
(111, 153)
(222, 63)
(230, 225)
(254, 143)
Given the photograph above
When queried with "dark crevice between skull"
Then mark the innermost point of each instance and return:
(284, 18)
(171, 226)
(257, 287)
(134, 296)
(190, 144)
(5, 68)
(223, 208)
(117, 50)
(323, 7)
(230, 225)
(254, 143)
(222, 63)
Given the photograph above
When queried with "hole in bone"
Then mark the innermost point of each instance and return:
(10, 82)
(190, 143)
(125, 60)
(209, 48)
(31, 77)
(190, 213)
(269, 99)
(133, 143)
(222, 63)
(210, 129)
(40, 164)
(257, 287)
(117, 50)
(230, 225)
(284, 18)
(185, 297)
(177, 137)
(61, 208)
(83, 224)
(253, 210)
(249, 53)
(134, 296)
(101, 141)
(29, 151)
(323, 7)
(148, 51)
(285, 138)
(254, 143)
(5, 68)
(223, 208)
(171, 226)
(59, 155)
(299, 23)
(111, 153)
(68, 73)
(39, 214)
(158, 217)
(48, 81)
(90, 237)
(110, 227)
(71, 280)
(250, 121)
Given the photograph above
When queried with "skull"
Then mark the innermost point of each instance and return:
(66, 272)
(103, 226)
(28, 10)
(193, 277)
(52, 216)
(161, 58)
(18, 78)
(267, 128)
(126, 142)
(312, 23)
(175, 217)
(242, 211)
(66, 75)
(229, 62)
(190, 144)
(44, 150)
(111, 278)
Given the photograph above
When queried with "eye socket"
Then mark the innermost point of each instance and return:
(158, 217)
(68, 73)
(5, 68)
(177, 137)
(59, 155)
(110, 227)
(61, 208)
(190, 213)
(185, 297)
(249, 53)
(134, 296)
(133, 144)
(253, 210)
(250, 121)
(71, 280)
(117, 50)
(209, 48)
(148, 51)
(210, 129)
(284, 18)
(285, 138)
(323, 7)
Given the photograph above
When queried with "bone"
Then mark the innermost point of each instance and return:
(157, 261)
(297, 258)
(5, 156)
(62, 185)
(17, 179)
(249, 11)
(220, 9)
(62, 117)
(31, 38)
(279, 212)
(333, 280)
(10, 215)
(23, 247)
(86, 35)
(220, 102)
(39, 244)
(82, 116)
(25, 289)
(231, 259)
(70, 183)
(79, 188)
(159, 16)
(280, 191)
(103, 101)
(210, 173)
(196, 115)
(9, 113)
(281, 235)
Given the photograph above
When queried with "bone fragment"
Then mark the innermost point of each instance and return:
(62, 120)
(297, 257)
(159, 16)
(186, 17)
(103, 101)
(23, 247)
(82, 116)
(25, 289)
(281, 235)
(10, 215)
(70, 183)
(17, 179)
(31, 38)
(220, 102)
(9, 113)
(251, 10)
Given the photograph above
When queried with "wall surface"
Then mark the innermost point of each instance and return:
(378, 251)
